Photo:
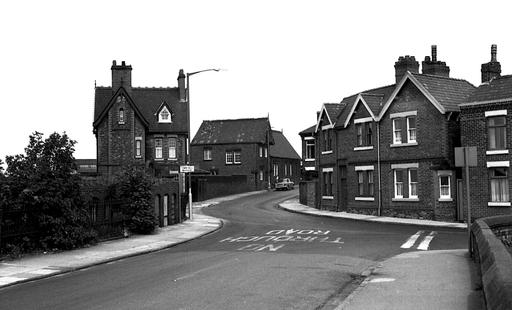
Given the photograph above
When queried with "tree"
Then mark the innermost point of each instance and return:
(44, 181)
(135, 188)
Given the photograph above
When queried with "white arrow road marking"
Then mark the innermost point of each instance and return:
(426, 241)
(412, 239)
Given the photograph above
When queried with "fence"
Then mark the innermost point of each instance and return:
(106, 217)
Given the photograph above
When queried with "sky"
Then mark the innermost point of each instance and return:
(280, 58)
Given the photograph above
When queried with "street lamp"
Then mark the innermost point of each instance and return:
(189, 137)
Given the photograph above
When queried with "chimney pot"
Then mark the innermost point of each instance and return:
(434, 52)
(114, 63)
(123, 63)
(494, 49)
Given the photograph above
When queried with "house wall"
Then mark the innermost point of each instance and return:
(474, 133)
(326, 161)
(294, 175)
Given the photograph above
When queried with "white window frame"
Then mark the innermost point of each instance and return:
(410, 183)
(285, 170)
(121, 116)
(138, 141)
(230, 157)
(207, 153)
(237, 157)
(310, 144)
(441, 196)
(409, 140)
(173, 154)
(507, 187)
(395, 141)
(395, 194)
(159, 149)
(290, 170)
(161, 118)
(261, 175)
(265, 152)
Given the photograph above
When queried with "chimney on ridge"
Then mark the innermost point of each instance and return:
(433, 66)
(121, 76)
(491, 69)
(404, 64)
(181, 86)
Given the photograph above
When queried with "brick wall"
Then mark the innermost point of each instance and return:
(307, 193)
(211, 186)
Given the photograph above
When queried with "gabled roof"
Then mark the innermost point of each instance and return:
(308, 131)
(147, 102)
(281, 147)
(497, 90)
(228, 131)
(443, 92)
(331, 110)
(372, 99)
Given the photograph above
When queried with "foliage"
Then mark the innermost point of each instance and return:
(44, 182)
(134, 186)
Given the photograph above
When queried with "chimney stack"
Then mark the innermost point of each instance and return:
(181, 86)
(121, 76)
(435, 67)
(404, 64)
(491, 69)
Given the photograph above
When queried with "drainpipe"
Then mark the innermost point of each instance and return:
(379, 211)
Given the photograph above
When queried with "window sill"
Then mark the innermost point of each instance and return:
(496, 152)
(172, 159)
(326, 152)
(328, 197)
(363, 148)
(309, 159)
(207, 160)
(445, 199)
(404, 144)
(405, 199)
(138, 157)
(121, 123)
(364, 198)
(159, 159)
(498, 204)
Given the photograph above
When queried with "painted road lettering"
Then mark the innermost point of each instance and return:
(280, 236)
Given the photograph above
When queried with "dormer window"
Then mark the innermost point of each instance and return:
(164, 116)
(121, 116)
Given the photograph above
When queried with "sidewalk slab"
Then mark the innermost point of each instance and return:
(420, 280)
(33, 267)
(293, 205)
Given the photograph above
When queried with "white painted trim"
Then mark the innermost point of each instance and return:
(320, 117)
(309, 159)
(495, 113)
(444, 173)
(326, 127)
(363, 120)
(326, 152)
(363, 148)
(310, 168)
(405, 199)
(445, 199)
(309, 138)
(404, 144)
(364, 168)
(504, 163)
(403, 114)
(327, 169)
(364, 198)
(498, 204)
(138, 138)
(328, 197)
(405, 166)
(354, 106)
(484, 102)
(496, 152)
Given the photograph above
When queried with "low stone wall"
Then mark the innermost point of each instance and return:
(494, 259)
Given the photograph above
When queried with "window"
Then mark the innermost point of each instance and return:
(276, 170)
(370, 182)
(496, 128)
(285, 169)
(444, 187)
(172, 148)
(121, 116)
(164, 116)
(360, 183)
(238, 157)
(265, 151)
(310, 149)
(327, 188)
(413, 183)
(327, 140)
(138, 147)
(397, 131)
(359, 130)
(365, 187)
(411, 129)
(499, 185)
(261, 151)
(290, 170)
(399, 183)
(369, 133)
(158, 148)
(261, 175)
(207, 153)
(229, 158)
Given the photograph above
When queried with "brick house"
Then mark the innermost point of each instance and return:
(235, 147)
(309, 155)
(144, 127)
(486, 122)
(393, 149)
(284, 160)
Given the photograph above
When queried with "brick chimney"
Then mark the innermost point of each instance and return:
(491, 69)
(181, 86)
(404, 64)
(121, 76)
(433, 66)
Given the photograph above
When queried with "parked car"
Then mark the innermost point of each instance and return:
(285, 185)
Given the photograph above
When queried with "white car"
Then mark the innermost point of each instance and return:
(285, 185)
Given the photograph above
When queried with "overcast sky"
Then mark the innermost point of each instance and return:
(283, 58)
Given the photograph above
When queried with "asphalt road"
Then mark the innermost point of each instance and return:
(262, 258)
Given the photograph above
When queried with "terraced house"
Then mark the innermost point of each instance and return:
(390, 150)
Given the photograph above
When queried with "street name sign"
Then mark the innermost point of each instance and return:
(186, 169)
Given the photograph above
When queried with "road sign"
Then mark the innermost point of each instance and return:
(461, 158)
(186, 169)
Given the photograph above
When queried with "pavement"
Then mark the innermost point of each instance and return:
(446, 279)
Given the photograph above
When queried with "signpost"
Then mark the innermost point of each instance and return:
(188, 169)
(466, 157)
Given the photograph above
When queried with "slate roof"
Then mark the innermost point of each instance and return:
(228, 131)
(148, 101)
(308, 131)
(333, 110)
(281, 147)
(449, 92)
(497, 89)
